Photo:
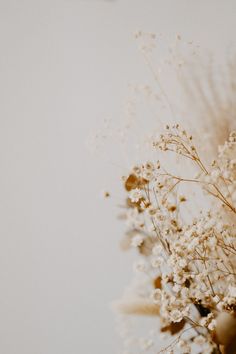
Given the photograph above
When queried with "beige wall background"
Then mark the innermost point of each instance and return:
(64, 66)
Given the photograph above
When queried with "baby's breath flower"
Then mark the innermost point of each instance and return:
(176, 316)
(196, 255)
(157, 250)
(200, 340)
(137, 240)
(212, 325)
(135, 195)
(156, 296)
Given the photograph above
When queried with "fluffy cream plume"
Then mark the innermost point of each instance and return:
(211, 100)
(136, 307)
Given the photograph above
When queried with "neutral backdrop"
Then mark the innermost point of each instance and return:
(64, 67)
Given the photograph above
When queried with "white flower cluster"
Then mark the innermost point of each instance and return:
(192, 263)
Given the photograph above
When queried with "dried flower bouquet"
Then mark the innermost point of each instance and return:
(180, 212)
(192, 264)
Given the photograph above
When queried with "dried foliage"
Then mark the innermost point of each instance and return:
(181, 217)
(192, 263)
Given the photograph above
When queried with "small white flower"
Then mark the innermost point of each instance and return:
(185, 293)
(176, 316)
(212, 325)
(156, 296)
(176, 288)
(182, 262)
(157, 250)
(199, 340)
(135, 195)
(184, 346)
(137, 240)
